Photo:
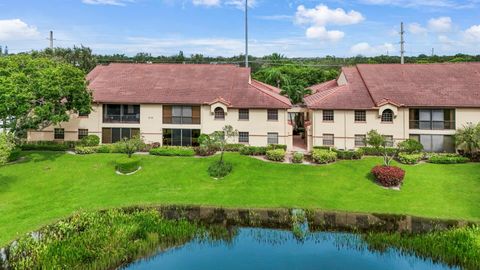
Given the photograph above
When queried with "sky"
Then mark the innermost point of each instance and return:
(295, 28)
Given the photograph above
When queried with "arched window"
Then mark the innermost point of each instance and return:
(387, 116)
(219, 113)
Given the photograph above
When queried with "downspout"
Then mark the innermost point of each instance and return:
(345, 129)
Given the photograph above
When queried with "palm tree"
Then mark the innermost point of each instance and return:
(468, 138)
(274, 76)
(295, 92)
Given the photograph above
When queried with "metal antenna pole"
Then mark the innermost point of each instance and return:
(246, 33)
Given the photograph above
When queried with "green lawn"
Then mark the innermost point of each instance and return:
(50, 186)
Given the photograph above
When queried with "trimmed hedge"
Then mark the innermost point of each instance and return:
(204, 151)
(276, 146)
(321, 156)
(297, 157)
(127, 165)
(86, 150)
(349, 154)
(253, 151)
(410, 159)
(276, 155)
(90, 140)
(14, 155)
(388, 176)
(47, 146)
(173, 151)
(371, 151)
(447, 159)
(322, 148)
(234, 147)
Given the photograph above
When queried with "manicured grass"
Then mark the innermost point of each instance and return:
(52, 185)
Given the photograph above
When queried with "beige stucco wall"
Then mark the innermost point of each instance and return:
(151, 125)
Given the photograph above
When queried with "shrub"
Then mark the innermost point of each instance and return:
(105, 148)
(126, 164)
(90, 140)
(253, 151)
(388, 176)
(349, 154)
(7, 145)
(447, 159)
(297, 157)
(276, 146)
(406, 158)
(276, 155)
(46, 146)
(173, 151)
(322, 148)
(410, 146)
(233, 147)
(372, 151)
(15, 154)
(220, 169)
(323, 156)
(86, 150)
(204, 151)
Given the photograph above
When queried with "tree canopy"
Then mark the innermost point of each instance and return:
(36, 92)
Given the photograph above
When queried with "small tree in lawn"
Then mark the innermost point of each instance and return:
(220, 138)
(130, 146)
(378, 141)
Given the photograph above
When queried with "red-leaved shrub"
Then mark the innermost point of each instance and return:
(388, 176)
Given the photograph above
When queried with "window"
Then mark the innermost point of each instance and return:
(59, 134)
(113, 135)
(360, 116)
(387, 116)
(82, 133)
(219, 113)
(243, 114)
(328, 115)
(388, 140)
(243, 137)
(83, 114)
(328, 139)
(360, 140)
(185, 115)
(428, 119)
(272, 115)
(272, 138)
(115, 113)
(181, 137)
(436, 143)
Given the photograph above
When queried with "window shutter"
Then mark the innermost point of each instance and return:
(196, 115)
(106, 135)
(167, 114)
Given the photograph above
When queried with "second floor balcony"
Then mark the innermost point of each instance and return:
(114, 113)
(432, 119)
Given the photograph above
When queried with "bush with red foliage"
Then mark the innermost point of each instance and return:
(388, 176)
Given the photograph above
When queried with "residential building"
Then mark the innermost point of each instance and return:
(425, 102)
(173, 104)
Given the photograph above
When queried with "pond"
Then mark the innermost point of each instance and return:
(258, 248)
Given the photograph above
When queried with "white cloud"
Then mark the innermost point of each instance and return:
(241, 3)
(417, 29)
(107, 2)
(17, 29)
(423, 3)
(440, 25)
(366, 49)
(208, 3)
(319, 17)
(472, 34)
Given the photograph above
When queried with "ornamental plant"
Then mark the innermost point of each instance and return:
(388, 176)
(7, 146)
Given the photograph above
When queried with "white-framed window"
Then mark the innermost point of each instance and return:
(328, 115)
(243, 137)
(243, 114)
(272, 114)
(82, 133)
(387, 116)
(388, 140)
(328, 139)
(272, 138)
(360, 116)
(59, 134)
(219, 113)
(360, 140)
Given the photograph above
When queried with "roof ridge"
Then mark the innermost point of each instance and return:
(366, 86)
(272, 94)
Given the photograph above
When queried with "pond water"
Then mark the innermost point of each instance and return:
(254, 248)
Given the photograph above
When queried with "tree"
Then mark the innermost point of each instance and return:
(80, 57)
(7, 145)
(39, 92)
(468, 138)
(221, 138)
(132, 145)
(295, 93)
(378, 141)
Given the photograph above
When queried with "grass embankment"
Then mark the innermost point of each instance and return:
(50, 186)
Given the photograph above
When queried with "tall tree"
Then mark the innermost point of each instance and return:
(80, 57)
(39, 92)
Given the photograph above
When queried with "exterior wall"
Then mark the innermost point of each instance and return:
(151, 125)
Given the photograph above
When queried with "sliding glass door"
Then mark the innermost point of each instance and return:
(181, 137)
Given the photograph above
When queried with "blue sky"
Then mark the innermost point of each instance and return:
(215, 27)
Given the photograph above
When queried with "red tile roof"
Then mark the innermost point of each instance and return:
(182, 84)
(411, 85)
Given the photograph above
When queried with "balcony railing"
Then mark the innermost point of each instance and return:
(121, 118)
(432, 125)
(181, 120)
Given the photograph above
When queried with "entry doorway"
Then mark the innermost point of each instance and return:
(297, 120)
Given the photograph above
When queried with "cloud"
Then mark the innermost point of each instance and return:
(440, 25)
(208, 3)
(107, 2)
(423, 3)
(17, 29)
(472, 34)
(366, 49)
(417, 29)
(240, 4)
(275, 17)
(319, 17)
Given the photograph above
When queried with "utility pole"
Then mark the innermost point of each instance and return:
(246, 33)
(402, 45)
(433, 52)
(51, 40)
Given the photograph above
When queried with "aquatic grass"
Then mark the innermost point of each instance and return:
(459, 246)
